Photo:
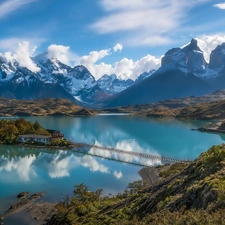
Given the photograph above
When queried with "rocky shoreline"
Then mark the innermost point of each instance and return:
(39, 210)
(217, 127)
(43, 212)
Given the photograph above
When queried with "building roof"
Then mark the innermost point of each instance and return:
(33, 136)
(52, 131)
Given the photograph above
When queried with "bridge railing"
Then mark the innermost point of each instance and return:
(139, 154)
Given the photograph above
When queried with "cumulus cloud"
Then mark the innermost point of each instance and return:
(209, 43)
(220, 5)
(62, 53)
(60, 166)
(9, 6)
(125, 68)
(117, 175)
(94, 56)
(93, 165)
(118, 47)
(137, 19)
(23, 54)
(22, 166)
(90, 62)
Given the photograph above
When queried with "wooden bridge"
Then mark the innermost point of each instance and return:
(77, 146)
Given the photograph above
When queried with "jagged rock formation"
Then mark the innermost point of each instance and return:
(183, 72)
(54, 79)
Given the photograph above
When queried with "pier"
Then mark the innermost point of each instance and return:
(77, 147)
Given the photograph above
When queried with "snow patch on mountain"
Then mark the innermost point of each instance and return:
(112, 84)
(144, 75)
(188, 59)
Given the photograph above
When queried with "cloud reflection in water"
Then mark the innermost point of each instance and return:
(21, 165)
(129, 146)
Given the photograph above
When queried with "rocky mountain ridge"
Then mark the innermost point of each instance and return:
(183, 72)
(112, 84)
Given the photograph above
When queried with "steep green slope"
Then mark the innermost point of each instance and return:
(195, 195)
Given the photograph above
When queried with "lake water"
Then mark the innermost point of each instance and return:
(56, 172)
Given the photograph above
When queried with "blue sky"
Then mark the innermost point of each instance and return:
(125, 37)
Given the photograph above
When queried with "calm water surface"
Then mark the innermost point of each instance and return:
(56, 172)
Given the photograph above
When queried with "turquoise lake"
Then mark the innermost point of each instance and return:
(55, 172)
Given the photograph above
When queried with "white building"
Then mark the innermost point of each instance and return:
(33, 137)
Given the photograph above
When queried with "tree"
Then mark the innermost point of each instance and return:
(80, 192)
(37, 125)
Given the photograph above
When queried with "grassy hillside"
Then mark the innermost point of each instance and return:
(41, 107)
(191, 195)
(209, 110)
(179, 107)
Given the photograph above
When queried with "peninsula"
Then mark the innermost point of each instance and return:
(24, 132)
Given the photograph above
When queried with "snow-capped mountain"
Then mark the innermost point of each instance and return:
(20, 83)
(183, 72)
(189, 59)
(78, 81)
(54, 79)
(217, 57)
(112, 84)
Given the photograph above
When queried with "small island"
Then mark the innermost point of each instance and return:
(26, 133)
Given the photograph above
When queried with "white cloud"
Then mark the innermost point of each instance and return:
(11, 5)
(22, 166)
(60, 166)
(220, 5)
(117, 175)
(118, 47)
(144, 22)
(93, 165)
(125, 68)
(128, 145)
(90, 60)
(94, 56)
(62, 53)
(209, 43)
(23, 54)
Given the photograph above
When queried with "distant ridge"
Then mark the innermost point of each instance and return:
(42, 107)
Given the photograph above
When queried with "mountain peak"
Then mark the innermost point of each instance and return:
(188, 59)
(112, 84)
(194, 44)
(40, 58)
(217, 57)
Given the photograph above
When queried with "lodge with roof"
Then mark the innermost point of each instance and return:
(41, 138)
(55, 133)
